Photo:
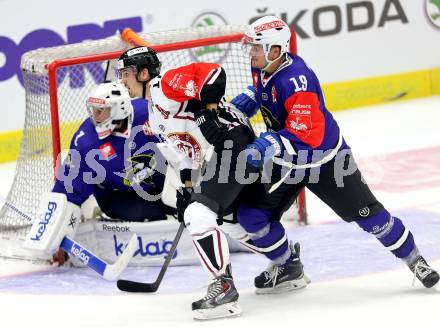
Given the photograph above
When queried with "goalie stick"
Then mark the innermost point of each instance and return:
(138, 287)
(108, 271)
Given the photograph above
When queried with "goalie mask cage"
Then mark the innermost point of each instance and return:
(57, 82)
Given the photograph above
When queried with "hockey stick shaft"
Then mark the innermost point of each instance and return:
(138, 287)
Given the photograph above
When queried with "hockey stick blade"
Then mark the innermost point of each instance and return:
(138, 287)
(108, 271)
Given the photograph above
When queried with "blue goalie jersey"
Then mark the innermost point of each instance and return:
(122, 161)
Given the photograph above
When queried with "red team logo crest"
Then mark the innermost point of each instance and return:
(191, 89)
(302, 121)
(305, 119)
(185, 83)
(186, 143)
(107, 150)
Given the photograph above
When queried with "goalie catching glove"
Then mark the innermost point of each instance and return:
(56, 218)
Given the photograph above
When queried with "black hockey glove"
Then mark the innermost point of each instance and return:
(183, 200)
(227, 115)
(213, 131)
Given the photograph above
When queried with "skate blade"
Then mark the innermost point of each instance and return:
(291, 285)
(307, 279)
(227, 310)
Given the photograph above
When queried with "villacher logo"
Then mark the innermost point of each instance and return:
(432, 10)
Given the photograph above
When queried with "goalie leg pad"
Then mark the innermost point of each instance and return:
(209, 241)
(56, 218)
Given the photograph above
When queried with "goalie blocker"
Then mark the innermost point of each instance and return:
(56, 219)
(54, 227)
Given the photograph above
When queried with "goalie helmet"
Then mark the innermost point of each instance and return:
(111, 98)
(268, 31)
(140, 58)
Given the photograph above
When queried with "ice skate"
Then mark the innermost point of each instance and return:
(423, 272)
(283, 278)
(221, 300)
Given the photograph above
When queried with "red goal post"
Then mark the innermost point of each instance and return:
(57, 82)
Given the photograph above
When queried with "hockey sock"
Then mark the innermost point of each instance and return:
(266, 235)
(391, 232)
(209, 241)
(213, 251)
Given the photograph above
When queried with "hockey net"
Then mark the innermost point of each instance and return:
(57, 82)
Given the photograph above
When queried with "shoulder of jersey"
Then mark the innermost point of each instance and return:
(139, 106)
(140, 111)
(173, 77)
(296, 68)
(299, 63)
(85, 137)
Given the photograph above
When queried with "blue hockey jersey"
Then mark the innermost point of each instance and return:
(120, 161)
(292, 104)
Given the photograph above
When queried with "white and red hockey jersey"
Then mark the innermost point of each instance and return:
(173, 95)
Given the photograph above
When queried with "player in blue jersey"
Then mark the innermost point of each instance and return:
(303, 146)
(113, 157)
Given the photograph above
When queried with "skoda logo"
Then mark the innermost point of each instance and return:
(432, 8)
(212, 53)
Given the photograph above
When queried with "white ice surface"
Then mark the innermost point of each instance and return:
(355, 282)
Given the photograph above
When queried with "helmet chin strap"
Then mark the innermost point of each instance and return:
(270, 62)
(144, 89)
(144, 85)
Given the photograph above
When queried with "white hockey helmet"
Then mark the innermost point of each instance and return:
(268, 31)
(114, 98)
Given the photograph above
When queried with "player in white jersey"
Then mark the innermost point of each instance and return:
(202, 135)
